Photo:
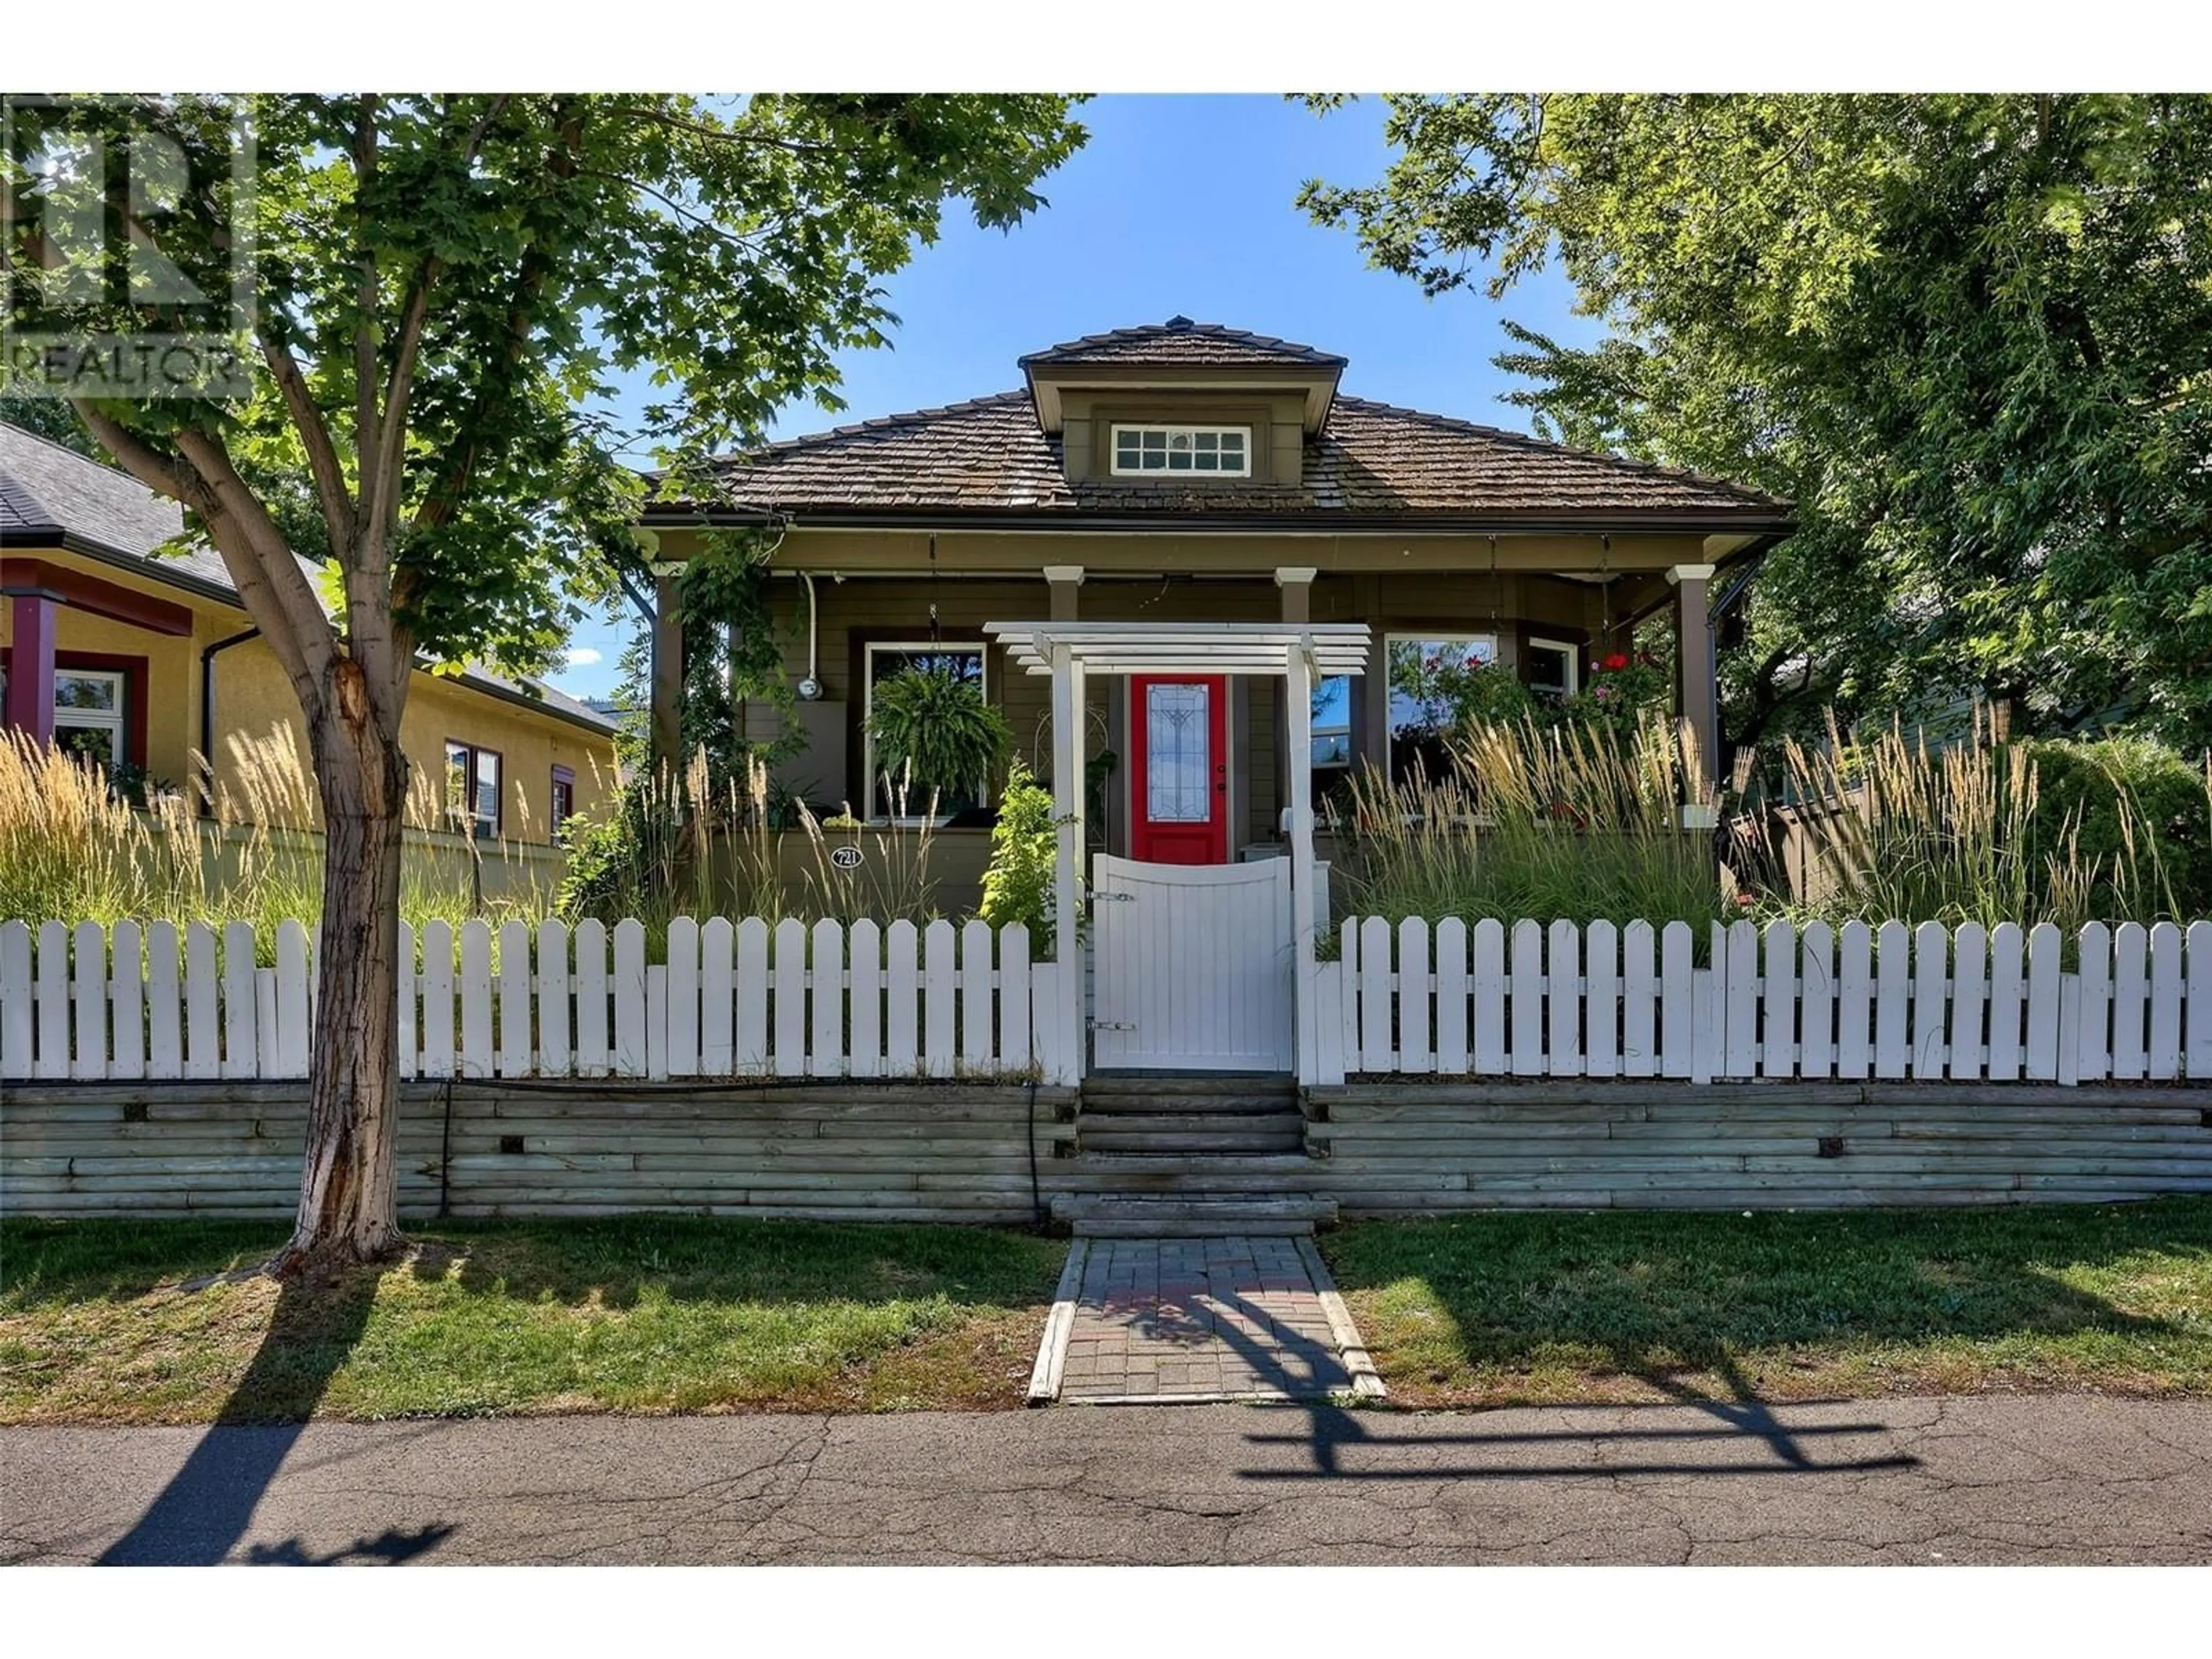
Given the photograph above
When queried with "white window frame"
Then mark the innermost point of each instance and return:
(1114, 450)
(465, 820)
(1571, 652)
(110, 720)
(906, 647)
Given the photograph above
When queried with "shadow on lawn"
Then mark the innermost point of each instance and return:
(614, 1260)
(199, 1517)
(1661, 1297)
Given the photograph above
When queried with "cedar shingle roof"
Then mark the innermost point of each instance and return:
(1369, 461)
(1178, 343)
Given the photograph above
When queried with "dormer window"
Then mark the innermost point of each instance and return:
(1223, 451)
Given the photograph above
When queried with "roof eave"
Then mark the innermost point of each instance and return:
(508, 694)
(1774, 524)
(1318, 379)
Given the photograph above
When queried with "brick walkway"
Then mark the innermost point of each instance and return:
(1202, 1318)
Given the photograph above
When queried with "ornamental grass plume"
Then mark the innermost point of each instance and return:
(1540, 821)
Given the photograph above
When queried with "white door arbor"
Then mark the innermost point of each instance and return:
(1304, 653)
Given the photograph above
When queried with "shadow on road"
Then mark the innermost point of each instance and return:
(1744, 1421)
(391, 1546)
(199, 1517)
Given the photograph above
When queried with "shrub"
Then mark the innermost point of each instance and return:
(1024, 852)
(2125, 802)
(1983, 831)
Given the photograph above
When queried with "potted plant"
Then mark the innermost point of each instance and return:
(936, 738)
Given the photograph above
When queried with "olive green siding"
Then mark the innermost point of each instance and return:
(1088, 418)
(861, 609)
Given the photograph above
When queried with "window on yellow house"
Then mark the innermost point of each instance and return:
(88, 714)
(564, 799)
(472, 789)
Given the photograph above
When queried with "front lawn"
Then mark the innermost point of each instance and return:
(1491, 1309)
(153, 1322)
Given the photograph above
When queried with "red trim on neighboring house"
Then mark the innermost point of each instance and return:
(136, 679)
(98, 597)
(29, 705)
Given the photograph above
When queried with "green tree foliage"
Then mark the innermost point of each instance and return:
(444, 286)
(1970, 337)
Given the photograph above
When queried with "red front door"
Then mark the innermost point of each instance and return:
(1179, 768)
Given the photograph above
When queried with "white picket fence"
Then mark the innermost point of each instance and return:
(1987, 1006)
(732, 999)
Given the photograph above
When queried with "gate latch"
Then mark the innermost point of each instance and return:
(1115, 898)
(1113, 1025)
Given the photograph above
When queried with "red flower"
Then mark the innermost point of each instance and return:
(1616, 662)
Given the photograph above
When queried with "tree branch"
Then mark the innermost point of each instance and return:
(315, 434)
(439, 504)
(367, 448)
(276, 591)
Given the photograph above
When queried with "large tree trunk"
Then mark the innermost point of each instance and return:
(348, 1193)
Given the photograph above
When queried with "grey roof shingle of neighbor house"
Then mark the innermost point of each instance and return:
(51, 495)
(1371, 464)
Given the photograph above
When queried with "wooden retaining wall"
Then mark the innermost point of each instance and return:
(888, 1152)
(960, 1152)
(1404, 1147)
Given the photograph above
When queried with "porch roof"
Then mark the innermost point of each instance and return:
(1186, 647)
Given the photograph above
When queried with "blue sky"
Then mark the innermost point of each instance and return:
(1179, 204)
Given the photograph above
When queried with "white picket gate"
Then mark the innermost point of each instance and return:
(1194, 966)
(729, 1000)
(1827, 1003)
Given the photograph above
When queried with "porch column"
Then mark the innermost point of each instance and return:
(666, 729)
(1067, 871)
(1697, 697)
(30, 703)
(1296, 584)
(1298, 701)
(1064, 583)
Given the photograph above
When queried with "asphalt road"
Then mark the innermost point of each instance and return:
(1960, 1481)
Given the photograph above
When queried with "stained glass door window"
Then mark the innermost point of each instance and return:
(1178, 766)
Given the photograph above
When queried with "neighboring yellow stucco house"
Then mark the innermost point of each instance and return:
(145, 657)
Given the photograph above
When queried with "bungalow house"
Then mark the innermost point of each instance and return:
(120, 641)
(1222, 566)
(1185, 472)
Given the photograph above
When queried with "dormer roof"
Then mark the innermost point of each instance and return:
(1180, 344)
(1182, 354)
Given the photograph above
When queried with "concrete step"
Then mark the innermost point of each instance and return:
(1212, 1178)
(1229, 1103)
(1197, 1215)
(1292, 1170)
(1141, 1083)
(1192, 1088)
(1146, 1227)
(1275, 1133)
